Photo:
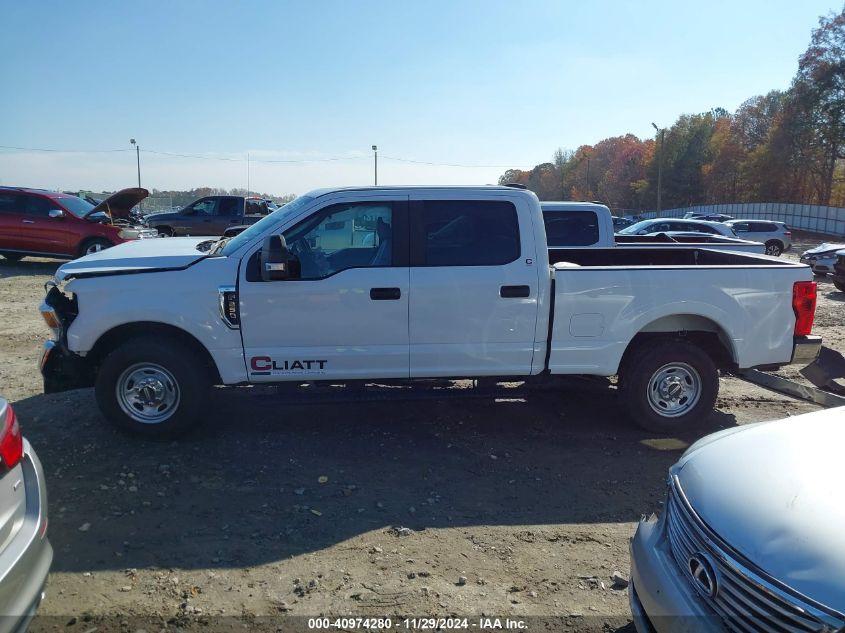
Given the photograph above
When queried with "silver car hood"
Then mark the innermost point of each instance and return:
(824, 248)
(166, 253)
(776, 493)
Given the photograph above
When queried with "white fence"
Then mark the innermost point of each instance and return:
(806, 217)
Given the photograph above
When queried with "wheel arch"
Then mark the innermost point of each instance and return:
(703, 331)
(112, 338)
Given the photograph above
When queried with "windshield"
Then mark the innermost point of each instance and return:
(77, 206)
(263, 224)
(632, 230)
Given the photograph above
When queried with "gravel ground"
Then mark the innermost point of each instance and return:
(519, 507)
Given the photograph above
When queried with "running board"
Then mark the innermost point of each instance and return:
(792, 388)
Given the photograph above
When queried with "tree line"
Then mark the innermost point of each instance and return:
(784, 146)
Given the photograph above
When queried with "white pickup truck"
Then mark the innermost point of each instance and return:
(413, 283)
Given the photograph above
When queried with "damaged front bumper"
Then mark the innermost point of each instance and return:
(62, 370)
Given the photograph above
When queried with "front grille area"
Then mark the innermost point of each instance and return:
(745, 598)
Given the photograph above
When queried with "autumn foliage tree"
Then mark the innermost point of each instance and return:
(785, 146)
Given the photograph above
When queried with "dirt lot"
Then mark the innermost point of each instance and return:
(516, 507)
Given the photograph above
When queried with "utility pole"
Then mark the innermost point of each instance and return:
(138, 161)
(662, 133)
(247, 175)
(137, 158)
(375, 165)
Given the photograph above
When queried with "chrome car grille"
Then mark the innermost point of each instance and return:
(746, 598)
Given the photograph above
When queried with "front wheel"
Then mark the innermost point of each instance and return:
(151, 387)
(670, 386)
(840, 285)
(94, 246)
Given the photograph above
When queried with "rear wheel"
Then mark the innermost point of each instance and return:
(670, 386)
(94, 245)
(840, 285)
(773, 247)
(165, 231)
(13, 257)
(151, 387)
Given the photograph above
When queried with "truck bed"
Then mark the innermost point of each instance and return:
(603, 298)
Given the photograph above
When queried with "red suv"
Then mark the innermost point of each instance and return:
(54, 224)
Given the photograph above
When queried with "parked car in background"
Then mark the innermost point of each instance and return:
(210, 215)
(620, 223)
(25, 551)
(775, 235)
(710, 217)
(839, 271)
(751, 538)
(590, 224)
(822, 258)
(664, 225)
(53, 224)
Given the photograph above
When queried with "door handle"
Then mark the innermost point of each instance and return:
(28, 221)
(514, 292)
(385, 294)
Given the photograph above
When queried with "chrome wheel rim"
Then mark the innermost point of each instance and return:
(148, 393)
(674, 390)
(773, 249)
(96, 247)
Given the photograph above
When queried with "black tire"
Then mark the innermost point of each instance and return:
(190, 383)
(840, 285)
(13, 257)
(773, 247)
(164, 231)
(694, 371)
(93, 245)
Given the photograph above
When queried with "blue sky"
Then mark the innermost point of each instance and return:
(477, 83)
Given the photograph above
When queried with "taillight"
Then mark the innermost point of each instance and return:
(804, 306)
(11, 441)
(788, 233)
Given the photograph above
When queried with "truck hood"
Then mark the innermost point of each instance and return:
(137, 256)
(119, 204)
(773, 491)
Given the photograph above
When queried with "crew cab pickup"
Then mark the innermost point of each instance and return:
(414, 283)
(210, 216)
(583, 224)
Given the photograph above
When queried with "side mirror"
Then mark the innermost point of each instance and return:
(56, 214)
(276, 261)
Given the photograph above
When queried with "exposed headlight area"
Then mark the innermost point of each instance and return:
(58, 310)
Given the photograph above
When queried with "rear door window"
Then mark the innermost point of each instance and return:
(571, 228)
(228, 207)
(763, 227)
(464, 233)
(11, 203)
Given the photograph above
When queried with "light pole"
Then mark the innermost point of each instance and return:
(375, 165)
(138, 159)
(662, 133)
